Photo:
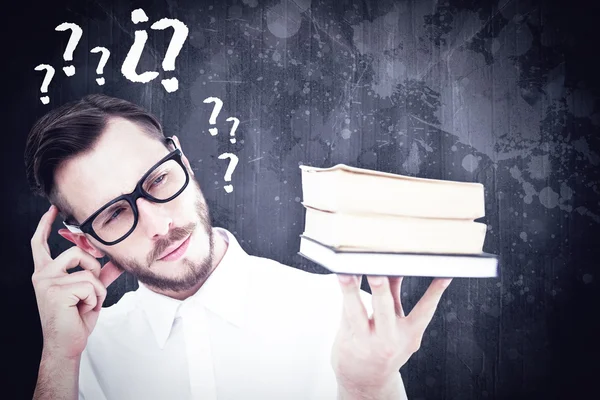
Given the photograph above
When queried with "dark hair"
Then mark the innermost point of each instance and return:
(71, 130)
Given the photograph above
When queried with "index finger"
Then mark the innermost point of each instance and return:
(423, 311)
(39, 240)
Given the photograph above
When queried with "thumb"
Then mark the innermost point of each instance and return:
(109, 273)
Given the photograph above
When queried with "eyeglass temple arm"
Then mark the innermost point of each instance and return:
(71, 228)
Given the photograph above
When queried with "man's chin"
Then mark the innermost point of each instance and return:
(179, 275)
(174, 276)
(182, 274)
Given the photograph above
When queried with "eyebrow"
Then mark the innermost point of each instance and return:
(112, 206)
(110, 209)
(125, 192)
(129, 191)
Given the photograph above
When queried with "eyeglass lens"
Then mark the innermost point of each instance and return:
(117, 219)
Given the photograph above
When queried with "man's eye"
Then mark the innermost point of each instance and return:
(114, 216)
(158, 180)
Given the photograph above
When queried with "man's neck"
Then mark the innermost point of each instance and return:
(219, 248)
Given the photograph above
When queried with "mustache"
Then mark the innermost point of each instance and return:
(175, 235)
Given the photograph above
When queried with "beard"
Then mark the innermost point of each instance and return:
(193, 272)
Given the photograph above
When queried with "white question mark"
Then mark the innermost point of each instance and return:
(215, 112)
(135, 52)
(49, 75)
(103, 59)
(180, 33)
(232, 164)
(76, 33)
(236, 122)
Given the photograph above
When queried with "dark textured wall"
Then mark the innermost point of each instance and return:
(499, 92)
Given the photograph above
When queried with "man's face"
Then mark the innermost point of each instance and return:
(113, 167)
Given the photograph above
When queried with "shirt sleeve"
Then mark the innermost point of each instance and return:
(89, 387)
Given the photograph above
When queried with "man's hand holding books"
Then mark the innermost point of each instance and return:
(388, 226)
(369, 350)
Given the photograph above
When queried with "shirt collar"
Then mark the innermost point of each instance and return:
(223, 293)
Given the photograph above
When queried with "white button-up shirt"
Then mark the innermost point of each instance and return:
(255, 330)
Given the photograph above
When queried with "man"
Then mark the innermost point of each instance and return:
(208, 320)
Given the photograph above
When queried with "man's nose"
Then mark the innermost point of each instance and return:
(153, 219)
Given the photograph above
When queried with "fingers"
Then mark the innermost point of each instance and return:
(39, 240)
(85, 276)
(70, 259)
(396, 289)
(423, 311)
(73, 293)
(355, 314)
(109, 273)
(85, 299)
(384, 314)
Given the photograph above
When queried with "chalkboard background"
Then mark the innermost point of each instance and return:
(499, 92)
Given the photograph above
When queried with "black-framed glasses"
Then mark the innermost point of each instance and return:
(118, 218)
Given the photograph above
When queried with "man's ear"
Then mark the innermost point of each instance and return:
(183, 157)
(79, 240)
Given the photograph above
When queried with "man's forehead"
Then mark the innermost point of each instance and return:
(112, 167)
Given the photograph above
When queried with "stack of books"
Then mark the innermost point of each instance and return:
(360, 221)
